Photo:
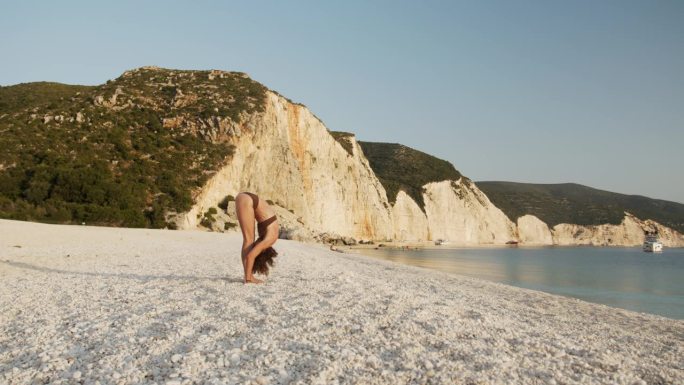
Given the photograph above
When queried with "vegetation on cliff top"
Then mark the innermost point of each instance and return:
(401, 168)
(128, 152)
(344, 139)
(124, 153)
(577, 204)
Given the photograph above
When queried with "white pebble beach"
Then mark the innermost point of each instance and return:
(88, 305)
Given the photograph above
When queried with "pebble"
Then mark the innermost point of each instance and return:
(405, 325)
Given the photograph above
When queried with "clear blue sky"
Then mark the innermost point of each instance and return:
(533, 91)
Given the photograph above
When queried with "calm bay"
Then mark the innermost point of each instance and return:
(627, 278)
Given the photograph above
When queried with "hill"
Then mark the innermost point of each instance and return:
(399, 167)
(123, 153)
(578, 204)
(164, 148)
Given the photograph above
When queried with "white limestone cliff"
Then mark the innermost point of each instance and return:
(286, 155)
(410, 222)
(321, 191)
(628, 233)
(459, 212)
(533, 231)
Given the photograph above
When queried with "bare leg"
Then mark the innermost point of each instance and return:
(245, 213)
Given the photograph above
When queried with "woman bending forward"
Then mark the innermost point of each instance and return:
(257, 256)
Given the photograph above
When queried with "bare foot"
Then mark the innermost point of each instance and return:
(253, 280)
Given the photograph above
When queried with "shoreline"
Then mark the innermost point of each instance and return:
(85, 304)
(428, 246)
(626, 278)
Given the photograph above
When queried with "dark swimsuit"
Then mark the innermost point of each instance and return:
(261, 226)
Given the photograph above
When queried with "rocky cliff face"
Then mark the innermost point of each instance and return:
(324, 188)
(456, 211)
(410, 223)
(168, 148)
(533, 231)
(286, 155)
(459, 212)
(630, 232)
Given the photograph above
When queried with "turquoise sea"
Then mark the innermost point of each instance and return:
(627, 278)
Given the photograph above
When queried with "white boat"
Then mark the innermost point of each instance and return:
(652, 244)
(441, 242)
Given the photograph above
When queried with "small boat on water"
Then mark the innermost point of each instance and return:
(652, 244)
(441, 242)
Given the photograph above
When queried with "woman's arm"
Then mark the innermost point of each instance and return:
(249, 257)
(246, 247)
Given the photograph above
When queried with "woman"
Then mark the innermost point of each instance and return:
(257, 256)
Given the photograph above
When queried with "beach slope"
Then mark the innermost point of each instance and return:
(84, 304)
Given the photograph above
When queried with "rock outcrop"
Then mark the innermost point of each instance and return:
(628, 233)
(171, 148)
(325, 189)
(410, 222)
(459, 212)
(533, 231)
(288, 156)
(631, 232)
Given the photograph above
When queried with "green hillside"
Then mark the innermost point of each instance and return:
(402, 168)
(18, 97)
(574, 203)
(123, 153)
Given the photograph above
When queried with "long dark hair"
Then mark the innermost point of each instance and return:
(264, 261)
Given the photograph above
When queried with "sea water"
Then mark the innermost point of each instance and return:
(627, 278)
